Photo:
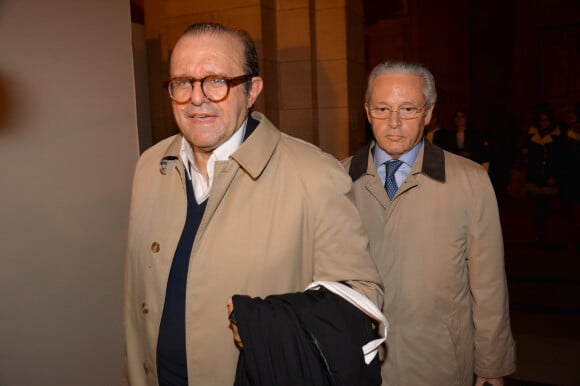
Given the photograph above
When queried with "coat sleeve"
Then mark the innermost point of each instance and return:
(494, 347)
(341, 244)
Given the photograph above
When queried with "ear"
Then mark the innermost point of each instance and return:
(255, 90)
(428, 115)
(367, 111)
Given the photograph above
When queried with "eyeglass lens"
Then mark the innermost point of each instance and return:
(213, 88)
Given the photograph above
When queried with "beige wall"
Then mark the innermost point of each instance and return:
(320, 82)
(68, 146)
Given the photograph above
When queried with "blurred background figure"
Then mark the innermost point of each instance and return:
(501, 133)
(570, 187)
(433, 131)
(543, 149)
(465, 141)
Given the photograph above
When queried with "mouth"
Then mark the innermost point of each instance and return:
(201, 117)
(394, 138)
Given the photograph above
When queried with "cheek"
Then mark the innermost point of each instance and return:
(412, 132)
(379, 127)
(177, 111)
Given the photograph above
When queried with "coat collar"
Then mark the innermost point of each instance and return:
(260, 134)
(261, 140)
(431, 160)
(543, 139)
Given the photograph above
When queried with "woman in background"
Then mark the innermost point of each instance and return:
(466, 141)
(543, 149)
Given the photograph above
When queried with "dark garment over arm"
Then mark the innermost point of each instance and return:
(311, 338)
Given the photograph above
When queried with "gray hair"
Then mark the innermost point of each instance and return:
(402, 67)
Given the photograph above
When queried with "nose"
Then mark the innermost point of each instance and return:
(393, 119)
(197, 95)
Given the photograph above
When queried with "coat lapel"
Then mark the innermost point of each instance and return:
(260, 134)
(430, 161)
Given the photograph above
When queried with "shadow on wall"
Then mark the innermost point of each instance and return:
(6, 104)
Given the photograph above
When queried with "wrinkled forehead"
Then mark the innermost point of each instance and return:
(207, 53)
(398, 85)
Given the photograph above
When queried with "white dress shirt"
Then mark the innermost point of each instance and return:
(201, 185)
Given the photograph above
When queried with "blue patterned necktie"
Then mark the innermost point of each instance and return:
(390, 183)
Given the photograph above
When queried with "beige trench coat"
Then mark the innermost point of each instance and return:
(439, 250)
(278, 217)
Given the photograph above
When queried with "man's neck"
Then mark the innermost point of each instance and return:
(201, 157)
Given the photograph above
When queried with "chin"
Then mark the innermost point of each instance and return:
(394, 151)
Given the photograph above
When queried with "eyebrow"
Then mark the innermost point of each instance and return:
(191, 76)
(387, 104)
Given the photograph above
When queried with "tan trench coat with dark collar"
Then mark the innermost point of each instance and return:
(278, 217)
(439, 250)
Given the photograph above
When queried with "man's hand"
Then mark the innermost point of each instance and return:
(234, 327)
(488, 381)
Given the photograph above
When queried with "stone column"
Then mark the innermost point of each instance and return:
(340, 72)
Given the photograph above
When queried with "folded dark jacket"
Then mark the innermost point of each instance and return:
(310, 338)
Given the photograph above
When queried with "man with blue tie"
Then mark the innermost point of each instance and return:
(435, 236)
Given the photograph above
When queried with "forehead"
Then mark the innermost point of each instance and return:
(208, 53)
(397, 87)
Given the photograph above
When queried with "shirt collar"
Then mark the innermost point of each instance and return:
(221, 153)
(409, 158)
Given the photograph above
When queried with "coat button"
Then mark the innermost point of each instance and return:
(155, 247)
(144, 308)
(146, 368)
